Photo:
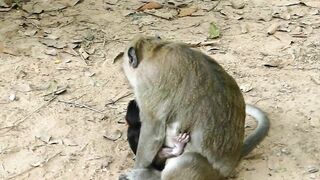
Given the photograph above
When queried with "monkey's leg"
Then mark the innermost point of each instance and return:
(189, 166)
(151, 139)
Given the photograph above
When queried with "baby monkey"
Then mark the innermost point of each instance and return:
(134, 124)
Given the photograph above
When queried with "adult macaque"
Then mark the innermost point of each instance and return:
(133, 121)
(181, 90)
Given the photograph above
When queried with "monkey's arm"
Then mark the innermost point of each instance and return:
(151, 139)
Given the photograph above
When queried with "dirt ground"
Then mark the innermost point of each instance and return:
(63, 100)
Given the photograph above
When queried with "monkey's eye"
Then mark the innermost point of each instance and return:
(133, 60)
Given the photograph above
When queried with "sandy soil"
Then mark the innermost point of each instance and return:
(61, 114)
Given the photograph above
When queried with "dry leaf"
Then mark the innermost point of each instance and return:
(37, 164)
(214, 31)
(53, 43)
(89, 74)
(6, 3)
(246, 88)
(284, 27)
(313, 170)
(230, 14)
(187, 11)
(282, 13)
(91, 51)
(285, 39)
(30, 32)
(69, 142)
(273, 28)
(150, 5)
(23, 87)
(312, 3)
(308, 30)
(12, 97)
(288, 2)
(21, 74)
(314, 11)
(33, 8)
(71, 3)
(44, 137)
(83, 53)
(111, 2)
(70, 50)
(237, 4)
(57, 61)
(6, 50)
(177, 4)
(113, 135)
(55, 141)
(273, 64)
(120, 55)
(54, 6)
(51, 52)
(244, 28)
(297, 30)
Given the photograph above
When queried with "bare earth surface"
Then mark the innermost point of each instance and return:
(63, 100)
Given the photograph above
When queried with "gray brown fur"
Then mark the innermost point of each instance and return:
(177, 85)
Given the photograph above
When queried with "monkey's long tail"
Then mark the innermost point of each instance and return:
(259, 133)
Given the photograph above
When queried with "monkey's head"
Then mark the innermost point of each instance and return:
(138, 57)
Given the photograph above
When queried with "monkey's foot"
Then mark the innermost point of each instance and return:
(123, 177)
(141, 174)
(180, 142)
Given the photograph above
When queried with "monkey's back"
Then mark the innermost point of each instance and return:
(206, 100)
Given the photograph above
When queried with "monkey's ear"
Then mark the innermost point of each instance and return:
(133, 60)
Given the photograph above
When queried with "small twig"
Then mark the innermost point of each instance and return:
(104, 41)
(18, 122)
(34, 167)
(57, 91)
(81, 106)
(299, 35)
(199, 44)
(4, 169)
(315, 81)
(83, 59)
(262, 99)
(161, 17)
(114, 101)
(215, 6)
(84, 147)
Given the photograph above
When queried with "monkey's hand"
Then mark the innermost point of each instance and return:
(151, 139)
(179, 143)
